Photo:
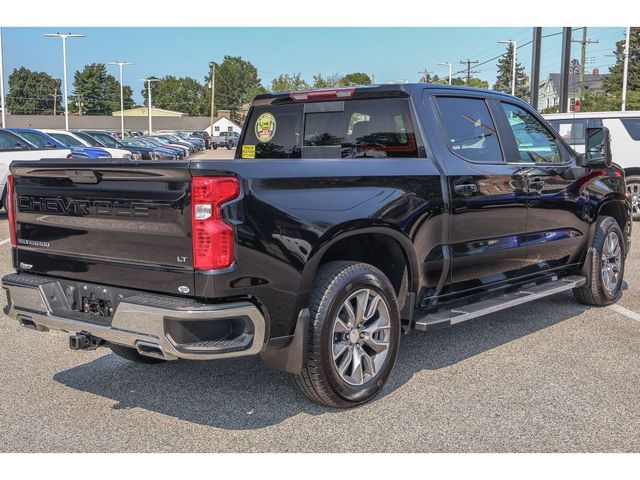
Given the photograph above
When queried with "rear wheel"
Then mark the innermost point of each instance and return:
(607, 271)
(354, 335)
(131, 354)
(633, 187)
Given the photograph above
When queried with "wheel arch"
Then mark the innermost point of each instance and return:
(361, 244)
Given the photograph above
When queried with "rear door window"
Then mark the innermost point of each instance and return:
(469, 129)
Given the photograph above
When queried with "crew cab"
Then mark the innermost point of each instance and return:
(348, 217)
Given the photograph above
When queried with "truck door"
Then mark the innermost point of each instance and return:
(556, 229)
(488, 196)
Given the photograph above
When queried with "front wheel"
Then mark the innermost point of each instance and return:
(633, 188)
(607, 269)
(354, 335)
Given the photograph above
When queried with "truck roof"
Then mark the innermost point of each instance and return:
(393, 90)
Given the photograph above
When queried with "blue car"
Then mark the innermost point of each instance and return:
(44, 140)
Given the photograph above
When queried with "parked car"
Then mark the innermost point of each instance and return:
(199, 142)
(169, 140)
(203, 135)
(105, 140)
(46, 141)
(147, 152)
(225, 139)
(406, 206)
(14, 148)
(180, 150)
(70, 139)
(625, 141)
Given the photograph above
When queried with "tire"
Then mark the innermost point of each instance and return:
(215, 147)
(336, 284)
(598, 293)
(633, 187)
(131, 354)
(229, 146)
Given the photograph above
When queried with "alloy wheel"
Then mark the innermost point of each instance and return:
(611, 263)
(361, 336)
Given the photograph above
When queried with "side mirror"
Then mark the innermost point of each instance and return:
(598, 147)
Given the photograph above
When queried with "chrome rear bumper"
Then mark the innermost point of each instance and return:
(142, 321)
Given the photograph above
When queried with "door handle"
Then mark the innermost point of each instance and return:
(537, 184)
(465, 188)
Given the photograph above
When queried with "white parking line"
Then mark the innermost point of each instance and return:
(6, 240)
(626, 312)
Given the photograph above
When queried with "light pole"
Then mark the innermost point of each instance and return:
(625, 70)
(513, 71)
(121, 65)
(213, 93)
(4, 118)
(64, 37)
(447, 63)
(149, 80)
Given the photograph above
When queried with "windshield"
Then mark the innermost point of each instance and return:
(107, 140)
(89, 139)
(67, 140)
(37, 139)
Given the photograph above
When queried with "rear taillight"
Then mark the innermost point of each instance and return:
(11, 214)
(212, 237)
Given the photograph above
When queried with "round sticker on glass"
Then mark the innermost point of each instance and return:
(265, 127)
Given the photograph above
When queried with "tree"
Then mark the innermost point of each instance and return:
(33, 93)
(289, 83)
(505, 70)
(331, 80)
(356, 78)
(574, 66)
(184, 94)
(96, 92)
(612, 83)
(237, 83)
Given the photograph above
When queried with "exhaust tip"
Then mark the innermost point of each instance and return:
(150, 350)
(27, 322)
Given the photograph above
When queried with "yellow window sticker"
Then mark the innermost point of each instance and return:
(265, 127)
(248, 151)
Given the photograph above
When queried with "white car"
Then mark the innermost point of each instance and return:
(72, 140)
(625, 141)
(15, 148)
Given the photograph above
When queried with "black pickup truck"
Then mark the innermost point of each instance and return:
(348, 217)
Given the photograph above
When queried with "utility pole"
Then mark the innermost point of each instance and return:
(564, 69)
(468, 63)
(424, 78)
(535, 65)
(583, 57)
(625, 70)
(213, 93)
(55, 101)
(4, 114)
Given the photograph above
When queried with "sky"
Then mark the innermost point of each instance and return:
(389, 54)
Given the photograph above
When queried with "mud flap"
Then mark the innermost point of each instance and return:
(289, 353)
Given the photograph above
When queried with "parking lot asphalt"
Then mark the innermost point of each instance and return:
(549, 376)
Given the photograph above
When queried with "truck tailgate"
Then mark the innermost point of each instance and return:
(115, 222)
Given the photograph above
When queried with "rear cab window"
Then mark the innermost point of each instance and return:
(367, 128)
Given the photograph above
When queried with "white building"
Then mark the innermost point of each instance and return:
(223, 124)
